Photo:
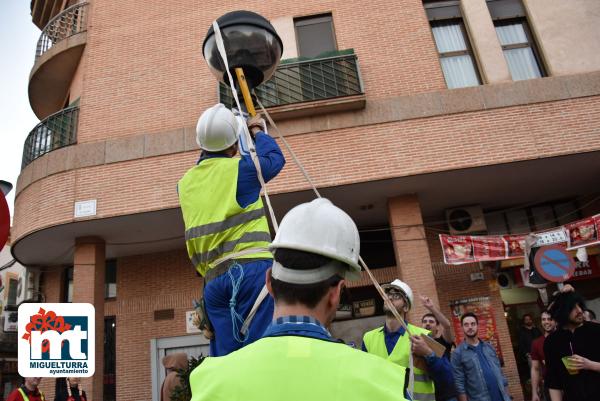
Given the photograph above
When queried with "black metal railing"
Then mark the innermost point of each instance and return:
(69, 22)
(56, 131)
(306, 81)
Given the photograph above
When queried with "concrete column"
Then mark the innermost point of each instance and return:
(486, 46)
(88, 286)
(412, 253)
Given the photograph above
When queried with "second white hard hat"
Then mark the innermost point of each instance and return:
(321, 228)
(402, 287)
(217, 129)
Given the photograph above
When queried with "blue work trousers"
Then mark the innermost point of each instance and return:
(218, 298)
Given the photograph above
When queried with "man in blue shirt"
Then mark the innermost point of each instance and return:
(477, 372)
(227, 231)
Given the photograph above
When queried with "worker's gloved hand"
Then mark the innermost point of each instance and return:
(255, 124)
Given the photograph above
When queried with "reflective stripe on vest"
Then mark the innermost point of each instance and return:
(280, 367)
(375, 343)
(213, 228)
(229, 246)
(25, 398)
(215, 225)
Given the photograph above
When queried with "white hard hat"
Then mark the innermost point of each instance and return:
(321, 228)
(216, 129)
(403, 287)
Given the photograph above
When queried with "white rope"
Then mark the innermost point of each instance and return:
(248, 138)
(256, 161)
(288, 147)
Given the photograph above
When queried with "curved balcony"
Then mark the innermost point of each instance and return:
(56, 131)
(309, 87)
(57, 56)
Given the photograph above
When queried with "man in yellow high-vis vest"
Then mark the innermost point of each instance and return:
(224, 216)
(29, 391)
(316, 250)
(392, 343)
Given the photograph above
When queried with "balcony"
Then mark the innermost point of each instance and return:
(57, 56)
(43, 11)
(309, 87)
(56, 131)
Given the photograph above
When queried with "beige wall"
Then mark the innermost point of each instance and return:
(77, 82)
(285, 28)
(568, 34)
(482, 34)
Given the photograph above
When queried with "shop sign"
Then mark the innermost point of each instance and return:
(190, 327)
(586, 270)
(364, 308)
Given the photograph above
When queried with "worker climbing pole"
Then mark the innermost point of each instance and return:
(227, 231)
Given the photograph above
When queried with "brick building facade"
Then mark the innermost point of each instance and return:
(432, 127)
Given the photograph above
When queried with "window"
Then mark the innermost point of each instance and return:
(110, 281)
(377, 246)
(68, 294)
(516, 41)
(520, 52)
(110, 284)
(455, 54)
(451, 40)
(314, 35)
(13, 286)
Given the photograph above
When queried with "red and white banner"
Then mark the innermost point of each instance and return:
(459, 249)
(583, 232)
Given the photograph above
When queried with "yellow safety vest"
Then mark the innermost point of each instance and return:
(25, 398)
(294, 368)
(215, 224)
(374, 341)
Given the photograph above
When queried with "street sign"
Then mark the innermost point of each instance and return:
(554, 263)
(4, 221)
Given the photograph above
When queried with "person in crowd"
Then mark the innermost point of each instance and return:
(539, 390)
(226, 229)
(172, 363)
(69, 389)
(527, 333)
(441, 330)
(477, 372)
(28, 391)
(316, 250)
(392, 343)
(572, 352)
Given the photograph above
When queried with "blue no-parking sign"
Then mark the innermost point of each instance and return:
(554, 263)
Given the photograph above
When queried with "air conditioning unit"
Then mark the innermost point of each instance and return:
(28, 286)
(505, 281)
(10, 321)
(464, 220)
